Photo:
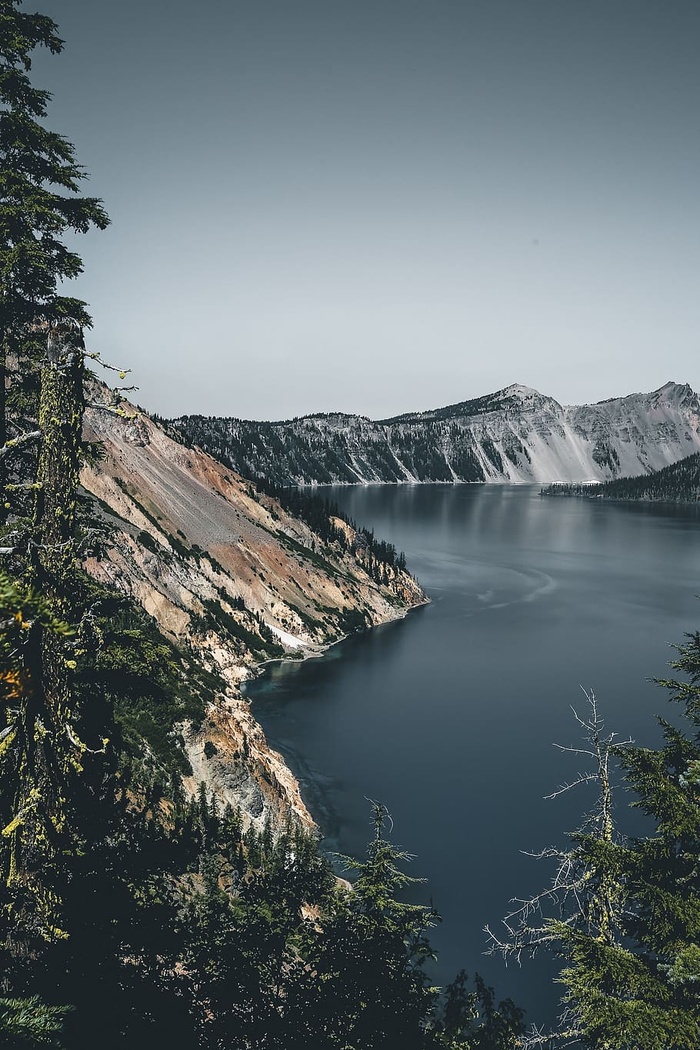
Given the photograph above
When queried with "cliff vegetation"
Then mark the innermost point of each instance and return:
(160, 879)
(677, 483)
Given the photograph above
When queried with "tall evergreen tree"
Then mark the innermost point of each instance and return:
(40, 181)
(370, 987)
(41, 331)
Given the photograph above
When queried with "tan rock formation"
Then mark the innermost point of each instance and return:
(226, 572)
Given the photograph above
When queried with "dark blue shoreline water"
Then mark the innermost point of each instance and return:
(449, 715)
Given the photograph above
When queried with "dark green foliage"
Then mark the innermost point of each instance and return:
(606, 456)
(472, 1019)
(352, 620)
(492, 454)
(661, 871)
(372, 989)
(34, 164)
(184, 931)
(307, 554)
(257, 638)
(146, 540)
(30, 1023)
(467, 466)
(677, 483)
(515, 450)
(40, 181)
(330, 449)
(150, 685)
(315, 510)
(368, 988)
(628, 922)
(318, 512)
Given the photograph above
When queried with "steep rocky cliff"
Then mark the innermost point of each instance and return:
(515, 435)
(226, 572)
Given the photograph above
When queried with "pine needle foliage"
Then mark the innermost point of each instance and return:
(28, 1024)
(627, 918)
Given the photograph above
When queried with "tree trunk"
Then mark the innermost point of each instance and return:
(45, 756)
(61, 408)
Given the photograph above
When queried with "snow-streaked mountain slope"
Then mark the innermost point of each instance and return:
(514, 435)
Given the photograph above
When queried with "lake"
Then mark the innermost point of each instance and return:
(449, 716)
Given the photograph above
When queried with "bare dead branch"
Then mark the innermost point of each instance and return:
(80, 746)
(114, 409)
(574, 901)
(95, 356)
(17, 442)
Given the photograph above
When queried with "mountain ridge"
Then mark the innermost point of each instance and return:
(513, 435)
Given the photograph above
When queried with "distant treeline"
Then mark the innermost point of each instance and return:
(309, 451)
(677, 483)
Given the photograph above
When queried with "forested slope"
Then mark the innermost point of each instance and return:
(513, 435)
(677, 483)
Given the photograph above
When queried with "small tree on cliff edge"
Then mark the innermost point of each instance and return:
(39, 188)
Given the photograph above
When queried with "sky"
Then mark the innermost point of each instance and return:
(380, 206)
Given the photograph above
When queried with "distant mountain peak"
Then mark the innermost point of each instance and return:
(675, 389)
(512, 435)
(519, 390)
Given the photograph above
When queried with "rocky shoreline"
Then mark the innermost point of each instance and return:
(235, 580)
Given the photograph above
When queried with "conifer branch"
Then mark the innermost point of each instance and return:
(18, 442)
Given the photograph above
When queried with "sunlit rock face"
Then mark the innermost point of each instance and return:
(515, 435)
(227, 573)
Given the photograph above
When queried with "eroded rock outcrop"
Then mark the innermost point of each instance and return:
(229, 574)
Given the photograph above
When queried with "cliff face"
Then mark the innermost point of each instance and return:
(226, 572)
(514, 435)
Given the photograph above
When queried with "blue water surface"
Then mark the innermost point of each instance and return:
(449, 716)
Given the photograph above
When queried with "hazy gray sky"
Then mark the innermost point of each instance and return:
(385, 205)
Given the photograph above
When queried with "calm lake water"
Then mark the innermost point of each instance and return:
(449, 716)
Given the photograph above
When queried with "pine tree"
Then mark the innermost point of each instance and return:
(39, 182)
(370, 989)
(655, 1003)
(627, 919)
(39, 185)
(30, 1024)
(472, 1021)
